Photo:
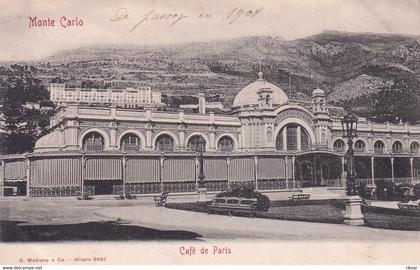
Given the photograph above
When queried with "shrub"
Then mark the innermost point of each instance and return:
(385, 190)
(263, 203)
(403, 192)
(362, 190)
(416, 191)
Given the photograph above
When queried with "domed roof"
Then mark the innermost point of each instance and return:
(51, 140)
(318, 92)
(249, 94)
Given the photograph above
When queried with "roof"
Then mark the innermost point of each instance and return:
(249, 94)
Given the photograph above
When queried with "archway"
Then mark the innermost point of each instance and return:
(93, 141)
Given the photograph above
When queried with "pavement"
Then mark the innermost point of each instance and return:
(142, 212)
(225, 227)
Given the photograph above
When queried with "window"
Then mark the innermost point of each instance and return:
(292, 138)
(414, 147)
(291, 135)
(304, 139)
(225, 144)
(130, 142)
(164, 143)
(93, 141)
(193, 143)
(279, 140)
(397, 147)
(339, 145)
(379, 147)
(269, 134)
(359, 146)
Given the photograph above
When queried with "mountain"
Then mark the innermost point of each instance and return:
(351, 67)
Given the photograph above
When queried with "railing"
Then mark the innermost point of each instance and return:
(271, 184)
(321, 146)
(396, 180)
(217, 185)
(141, 188)
(335, 182)
(61, 191)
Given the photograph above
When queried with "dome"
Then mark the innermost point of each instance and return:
(249, 94)
(48, 142)
(318, 92)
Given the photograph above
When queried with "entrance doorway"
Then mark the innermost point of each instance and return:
(318, 169)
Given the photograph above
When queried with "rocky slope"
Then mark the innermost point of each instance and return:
(349, 66)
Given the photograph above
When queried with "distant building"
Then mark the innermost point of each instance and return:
(216, 107)
(142, 96)
(32, 105)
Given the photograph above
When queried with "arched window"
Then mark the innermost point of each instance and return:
(414, 147)
(279, 140)
(292, 131)
(304, 139)
(291, 137)
(339, 145)
(323, 136)
(397, 147)
(164, 143)
(379, 147)
(93, 141)
(193, 142)
(269, 134)
(225, 144)
(130, 142)
(359, 146)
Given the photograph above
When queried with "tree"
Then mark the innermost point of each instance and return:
(22, 125)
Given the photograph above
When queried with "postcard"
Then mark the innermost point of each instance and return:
(202, 132)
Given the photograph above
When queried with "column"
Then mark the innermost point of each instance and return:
(228, 171)
(255, 171)
(392, 168)
(372, 163)
(2, 176)
(149, 139)
(197, 165)
(212, 140)
(123, 173)
(342, 171)
(285, 138)
(293, 172)
(181, 135)
(251, 127)
(28, 177)
(286, 173)
(82, 178)
(299, 143)
(412, 169)
(162, 163)
(113, 144)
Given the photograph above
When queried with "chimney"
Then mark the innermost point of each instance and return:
(201, 103)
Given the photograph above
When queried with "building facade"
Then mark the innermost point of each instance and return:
(267, 141)
(142, 96)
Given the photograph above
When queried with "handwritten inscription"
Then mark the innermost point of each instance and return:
(153, 16)
(173, 18)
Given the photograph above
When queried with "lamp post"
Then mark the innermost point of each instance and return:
(353, 215)
(201, 145)
(200, 148)
(349, 124)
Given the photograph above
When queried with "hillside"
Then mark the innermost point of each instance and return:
(349, 66)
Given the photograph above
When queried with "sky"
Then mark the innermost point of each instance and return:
(170, 21)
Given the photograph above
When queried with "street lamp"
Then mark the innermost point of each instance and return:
(353, 214)
(349, 124)
(200, 148)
